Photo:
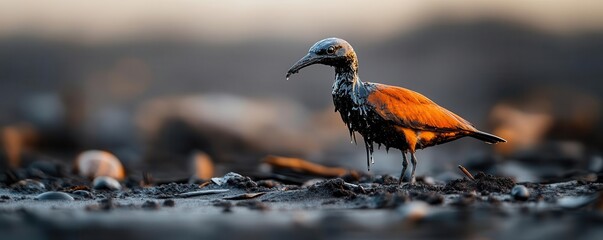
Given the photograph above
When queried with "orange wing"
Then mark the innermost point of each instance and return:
(412, 110)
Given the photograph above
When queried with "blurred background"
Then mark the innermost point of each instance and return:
(158, 82)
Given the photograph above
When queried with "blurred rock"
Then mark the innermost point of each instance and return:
(521, 129)
(95, 163)
(15, 140)
(520, 192)
(54, 196)
(574, 202)
(106, 183)
(82, 194)
(202, 166)
(427, 180)
(169, 203)
(28, 186)
(223, 180)
(413, 211)
(151, 205)
(596, 164)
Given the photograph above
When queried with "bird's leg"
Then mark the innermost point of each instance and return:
(368, 155)
(414, 166)
(404, 166)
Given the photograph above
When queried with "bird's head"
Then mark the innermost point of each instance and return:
(333, 52)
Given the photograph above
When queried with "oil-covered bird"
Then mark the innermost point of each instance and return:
(386, 115)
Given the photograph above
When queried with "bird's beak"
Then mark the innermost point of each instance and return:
(309, 59)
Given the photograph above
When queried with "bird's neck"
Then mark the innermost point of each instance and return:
(345, 79)
(348, 84)
(347, 72)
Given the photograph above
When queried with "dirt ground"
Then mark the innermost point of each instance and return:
(351, 207)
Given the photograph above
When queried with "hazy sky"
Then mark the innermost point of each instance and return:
(237, 20)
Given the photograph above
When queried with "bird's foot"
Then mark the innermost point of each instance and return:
(406, 180)
(413, 181)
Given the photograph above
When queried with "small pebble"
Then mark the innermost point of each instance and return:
(55, 196)
(169, 203)
(106, 183)
(520, 192)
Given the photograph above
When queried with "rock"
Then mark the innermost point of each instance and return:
(427, 180)
(28, 186)
(54, 196)
(95, 163)
(237, 181)
(595, 164)
(575, 202)
(413, 211)
(106, 183)
(82, 193)
(520, 192)
(169, 203)
(225, 178)
(334, 187)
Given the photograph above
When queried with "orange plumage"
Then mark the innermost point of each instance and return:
(393, 116)
(423, 122)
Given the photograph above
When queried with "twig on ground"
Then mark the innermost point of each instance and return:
(467, 173)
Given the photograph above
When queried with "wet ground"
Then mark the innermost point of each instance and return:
(235, 206)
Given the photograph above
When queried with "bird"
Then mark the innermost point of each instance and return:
(391, 116)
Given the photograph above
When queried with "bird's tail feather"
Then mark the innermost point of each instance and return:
(486, 137)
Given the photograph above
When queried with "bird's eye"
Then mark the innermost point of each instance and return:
(331, 50)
